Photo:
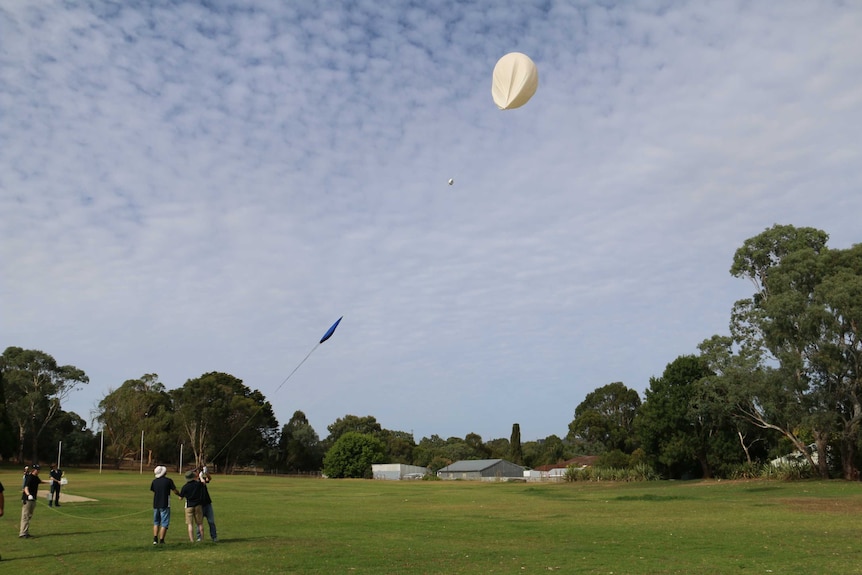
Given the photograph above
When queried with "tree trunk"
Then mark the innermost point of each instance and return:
(848, 454)
(759, 420)
(744, 446)
(20, 443)
(34, 446)
(821, 441)
(848, 442)
(704, 466)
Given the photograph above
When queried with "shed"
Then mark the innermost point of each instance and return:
(396, 471)
(482, 470)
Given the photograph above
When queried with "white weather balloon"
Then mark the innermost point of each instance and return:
(451, 181)
(515, 81)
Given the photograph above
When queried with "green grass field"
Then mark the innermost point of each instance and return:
(277, 525)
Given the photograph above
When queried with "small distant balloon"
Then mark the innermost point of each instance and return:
(515, 81)
(451, 181)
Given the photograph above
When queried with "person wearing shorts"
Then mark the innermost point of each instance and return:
(162, 486)
(192, 492)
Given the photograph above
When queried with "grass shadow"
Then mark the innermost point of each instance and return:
(762, 489)
(650, 497)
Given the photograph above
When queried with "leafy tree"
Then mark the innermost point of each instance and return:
(516, 455)
(606, 418)
(435, 449)
(549, 450)
(614, 459)
(399, 446)
(437, 463)
(367, 425)
(457, 449)
(427, 449)
(499, 448)
(225, 422)
(8, 444)
(759, 255)
(34, 389)
(138, 405)
(804, 317)
(79, 444)
(352, 455)
(726, 395)
(300, 445)
(664, 424)
(837, 365)
(477, 446)
(763, 325)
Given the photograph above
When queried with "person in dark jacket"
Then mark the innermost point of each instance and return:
(56, 476)
(207, 503)
(28, 500)
(193, 494)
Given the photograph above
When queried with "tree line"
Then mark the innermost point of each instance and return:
(785, 379)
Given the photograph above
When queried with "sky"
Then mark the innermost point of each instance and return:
(188, 187)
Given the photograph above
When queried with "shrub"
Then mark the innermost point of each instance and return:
(640, 472)
(614, 459)
(352, 455)
(788, 471)
(747, 470)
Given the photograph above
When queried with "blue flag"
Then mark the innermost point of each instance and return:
(330, 331)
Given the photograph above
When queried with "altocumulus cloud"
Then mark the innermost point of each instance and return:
(189, 188)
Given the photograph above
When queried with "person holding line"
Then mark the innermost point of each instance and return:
(28, 500)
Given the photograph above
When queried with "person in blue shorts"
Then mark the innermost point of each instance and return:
(161, 487)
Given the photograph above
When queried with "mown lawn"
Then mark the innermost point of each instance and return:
(277, 525)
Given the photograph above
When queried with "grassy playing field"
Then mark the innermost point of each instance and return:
(276, 525)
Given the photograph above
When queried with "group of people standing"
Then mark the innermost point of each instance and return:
(198, 504)
(29, 489)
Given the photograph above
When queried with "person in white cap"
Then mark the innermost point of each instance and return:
(161, 487)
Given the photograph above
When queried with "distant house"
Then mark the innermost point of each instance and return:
(557, 471)
(396, 471)
(482, 470)
(798, 458)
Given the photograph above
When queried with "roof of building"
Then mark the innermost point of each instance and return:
(468, 465)
(582, 461)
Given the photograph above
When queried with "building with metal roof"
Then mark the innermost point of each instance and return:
(482, 470)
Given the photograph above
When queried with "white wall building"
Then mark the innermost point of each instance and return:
(396, 471)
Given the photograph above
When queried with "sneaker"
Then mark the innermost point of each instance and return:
(25, 536)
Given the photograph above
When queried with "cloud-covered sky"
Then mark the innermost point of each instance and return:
(189, 187)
